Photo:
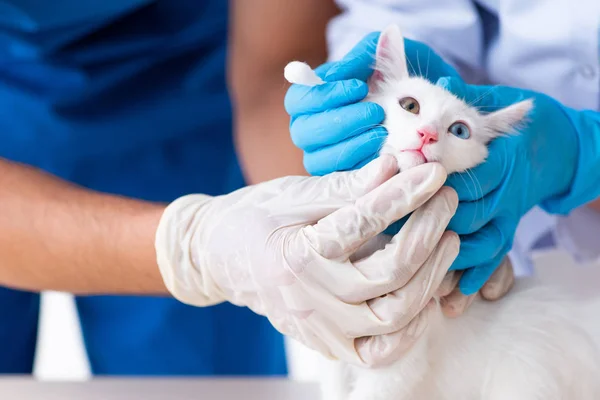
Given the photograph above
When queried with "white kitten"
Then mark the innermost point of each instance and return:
(531, 345)
(427, 123)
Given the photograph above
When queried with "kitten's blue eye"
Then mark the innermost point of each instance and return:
(460, 130)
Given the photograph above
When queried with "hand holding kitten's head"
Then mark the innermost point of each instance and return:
(427, 123)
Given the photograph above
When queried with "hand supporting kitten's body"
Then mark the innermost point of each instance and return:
(528, 346)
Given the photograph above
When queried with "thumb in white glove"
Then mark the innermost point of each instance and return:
(284, 249)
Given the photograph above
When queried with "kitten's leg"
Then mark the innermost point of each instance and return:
(401, 381)
(335, 383)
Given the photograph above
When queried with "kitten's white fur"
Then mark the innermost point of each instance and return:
(531, 345)
(439, 109)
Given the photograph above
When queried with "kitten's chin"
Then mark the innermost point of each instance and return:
(409, 159)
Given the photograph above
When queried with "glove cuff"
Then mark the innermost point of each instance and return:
(180, 261)
(585, 185)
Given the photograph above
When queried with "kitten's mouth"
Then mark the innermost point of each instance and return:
(417, 154)
(410, 158)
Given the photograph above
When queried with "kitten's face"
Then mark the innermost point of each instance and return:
(427, 123)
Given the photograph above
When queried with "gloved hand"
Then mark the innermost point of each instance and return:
(285, 249)
(552, 162)
(337, 132)
(454, 302)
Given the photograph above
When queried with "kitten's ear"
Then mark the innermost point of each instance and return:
(390, 60)
(508, 119)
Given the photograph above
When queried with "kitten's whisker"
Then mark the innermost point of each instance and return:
(363, 129)
(467, 185)
(482, 96)
(490, 106)
(477, 185)
(427, 67)
(471, 194)
(410, 65)
(337, 163)
(419, 64)
(306, 93)
(475, 181)
(373, 48)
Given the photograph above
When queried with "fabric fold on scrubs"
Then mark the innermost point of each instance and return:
(39, 16)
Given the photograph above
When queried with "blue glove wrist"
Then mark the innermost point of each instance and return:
(585, 184)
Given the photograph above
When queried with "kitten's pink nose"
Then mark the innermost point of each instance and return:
(428, 135)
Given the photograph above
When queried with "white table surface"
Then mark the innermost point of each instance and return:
(158, 389)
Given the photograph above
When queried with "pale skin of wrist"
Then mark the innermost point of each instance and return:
(595, 205)
(57, 236)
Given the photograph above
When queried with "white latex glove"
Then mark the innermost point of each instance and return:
(283, 248)
(454, 303)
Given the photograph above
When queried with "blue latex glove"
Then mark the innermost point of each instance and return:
(553, 163)
(337, 132)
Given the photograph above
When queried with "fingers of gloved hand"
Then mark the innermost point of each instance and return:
(332, 334)
(449, 283)
(456, 303)
(490, 97)
(301, 99)
(313, 132)
(366, 161)
(316, 198)
(322, 69)
(369, 248)
(396, 264)
(346, 155)
(484, 178)
(473, 279)
(358, 63)
(452, 302)
(399, 307)
(472, 216)
(395, 227)
(481, 246)
(345, 230)
(382, 350)
(500, 283)
(349, 186)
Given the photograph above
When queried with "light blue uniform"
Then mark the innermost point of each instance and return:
(128, 97)
(552, 47)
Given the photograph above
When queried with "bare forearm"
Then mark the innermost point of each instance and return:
(263, 141)
(265, 35)
(56, 236)
(595, 205)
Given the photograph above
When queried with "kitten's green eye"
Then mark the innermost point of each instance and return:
(460, 130)
(410, 105)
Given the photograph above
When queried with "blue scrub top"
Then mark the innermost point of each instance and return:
(128, 97)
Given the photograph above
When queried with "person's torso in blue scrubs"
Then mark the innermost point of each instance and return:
(128, 97)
